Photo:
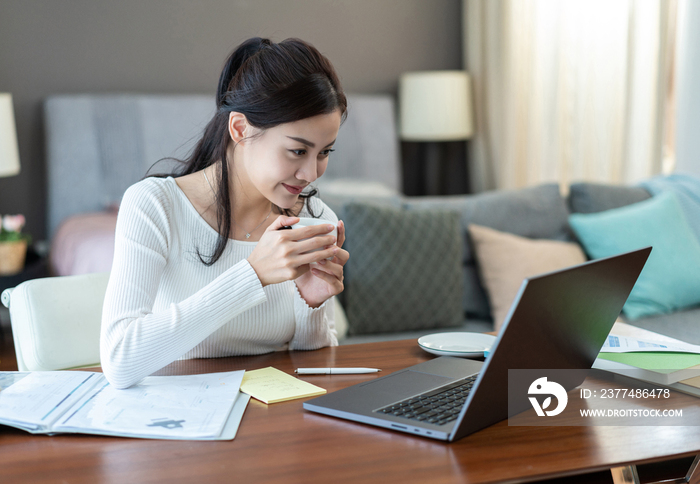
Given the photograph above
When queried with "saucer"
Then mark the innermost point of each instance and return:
(465, 345)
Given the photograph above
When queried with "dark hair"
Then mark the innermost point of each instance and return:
(270, 84)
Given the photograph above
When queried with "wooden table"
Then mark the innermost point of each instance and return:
(284, 443)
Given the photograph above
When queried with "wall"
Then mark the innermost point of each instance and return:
(688, 82)
(171, 46)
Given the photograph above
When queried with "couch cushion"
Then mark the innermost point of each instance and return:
(596, 197)
(670, 279)
(404, 271)
(537, 212)
(505, 260)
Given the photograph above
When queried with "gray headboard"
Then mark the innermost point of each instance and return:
(100, 144)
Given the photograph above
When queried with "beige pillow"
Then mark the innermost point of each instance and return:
(504, 260)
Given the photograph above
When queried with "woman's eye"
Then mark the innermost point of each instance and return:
(323, 153)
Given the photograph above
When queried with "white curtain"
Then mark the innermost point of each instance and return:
(568, 90)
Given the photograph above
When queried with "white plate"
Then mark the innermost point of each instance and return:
(466, 345)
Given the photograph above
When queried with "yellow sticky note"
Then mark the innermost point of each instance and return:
(270, 385)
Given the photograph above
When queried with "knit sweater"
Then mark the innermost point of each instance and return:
(162, 303)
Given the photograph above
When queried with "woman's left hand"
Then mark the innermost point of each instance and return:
(325, 279)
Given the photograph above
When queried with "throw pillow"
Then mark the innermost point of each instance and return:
(405, 269)
(536, 212)
(670, 279)
(505, 260)
(589, 197)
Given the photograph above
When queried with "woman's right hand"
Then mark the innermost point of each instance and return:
(283, 255)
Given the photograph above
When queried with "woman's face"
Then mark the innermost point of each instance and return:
(282, 161)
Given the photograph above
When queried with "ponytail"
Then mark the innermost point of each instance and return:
(234, 62)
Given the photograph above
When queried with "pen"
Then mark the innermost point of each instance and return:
(334, 371)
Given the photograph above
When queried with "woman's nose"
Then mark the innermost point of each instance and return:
(308, 172)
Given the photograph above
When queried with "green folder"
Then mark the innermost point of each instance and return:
(662, 362)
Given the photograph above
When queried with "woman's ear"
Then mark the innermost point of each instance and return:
(237, 125)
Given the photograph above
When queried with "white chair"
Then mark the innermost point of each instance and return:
(56, 321)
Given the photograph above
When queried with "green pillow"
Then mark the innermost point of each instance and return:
(671, 277)
(405, 269)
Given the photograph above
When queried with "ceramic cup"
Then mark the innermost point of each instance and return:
(307, 222)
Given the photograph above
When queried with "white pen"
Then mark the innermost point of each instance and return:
(334, 371)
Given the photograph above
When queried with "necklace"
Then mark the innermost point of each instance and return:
(247, 234)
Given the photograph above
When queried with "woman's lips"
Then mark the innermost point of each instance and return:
(293, 189)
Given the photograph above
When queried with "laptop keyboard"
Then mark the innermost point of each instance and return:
(438, 406)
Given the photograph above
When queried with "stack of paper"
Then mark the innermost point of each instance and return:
(188, 407)
(650, 357)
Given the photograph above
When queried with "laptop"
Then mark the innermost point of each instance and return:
(558, 320)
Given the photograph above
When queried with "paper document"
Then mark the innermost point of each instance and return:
(37, 399)
(625, 344)
(270, 385)
(644, 355)
(183, 406)
(187, 407)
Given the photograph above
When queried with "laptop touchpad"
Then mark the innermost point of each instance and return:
(403, 384)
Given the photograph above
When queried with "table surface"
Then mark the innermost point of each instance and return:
(284, 443)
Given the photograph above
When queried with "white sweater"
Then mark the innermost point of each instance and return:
(163, 304)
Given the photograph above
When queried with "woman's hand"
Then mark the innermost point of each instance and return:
(282, 255)
(325, 279)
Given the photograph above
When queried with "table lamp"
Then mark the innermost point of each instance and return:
(9, 152)
(435, 107)
(12, 255)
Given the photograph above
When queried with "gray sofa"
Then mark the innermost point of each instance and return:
(537, 213)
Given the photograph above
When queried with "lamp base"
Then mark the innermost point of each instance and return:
(435, 168)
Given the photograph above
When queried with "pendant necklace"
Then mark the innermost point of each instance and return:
(247, 234)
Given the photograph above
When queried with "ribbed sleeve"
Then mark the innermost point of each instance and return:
(315, 327)
(163, 304)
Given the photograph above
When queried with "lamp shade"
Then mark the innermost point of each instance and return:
(435, 106)
(9, 152)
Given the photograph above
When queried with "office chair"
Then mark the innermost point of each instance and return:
(56, 321)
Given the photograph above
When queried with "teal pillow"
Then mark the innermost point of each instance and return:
(671, 277)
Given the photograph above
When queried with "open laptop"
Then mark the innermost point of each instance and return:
(558, 320)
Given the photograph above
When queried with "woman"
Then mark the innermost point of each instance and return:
(202, 267)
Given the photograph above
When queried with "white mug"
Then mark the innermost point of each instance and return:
(308, 222)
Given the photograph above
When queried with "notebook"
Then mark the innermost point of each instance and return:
(558, 320)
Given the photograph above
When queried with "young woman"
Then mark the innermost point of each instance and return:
(204, 265)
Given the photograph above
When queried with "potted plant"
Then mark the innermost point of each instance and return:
(13, 244)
